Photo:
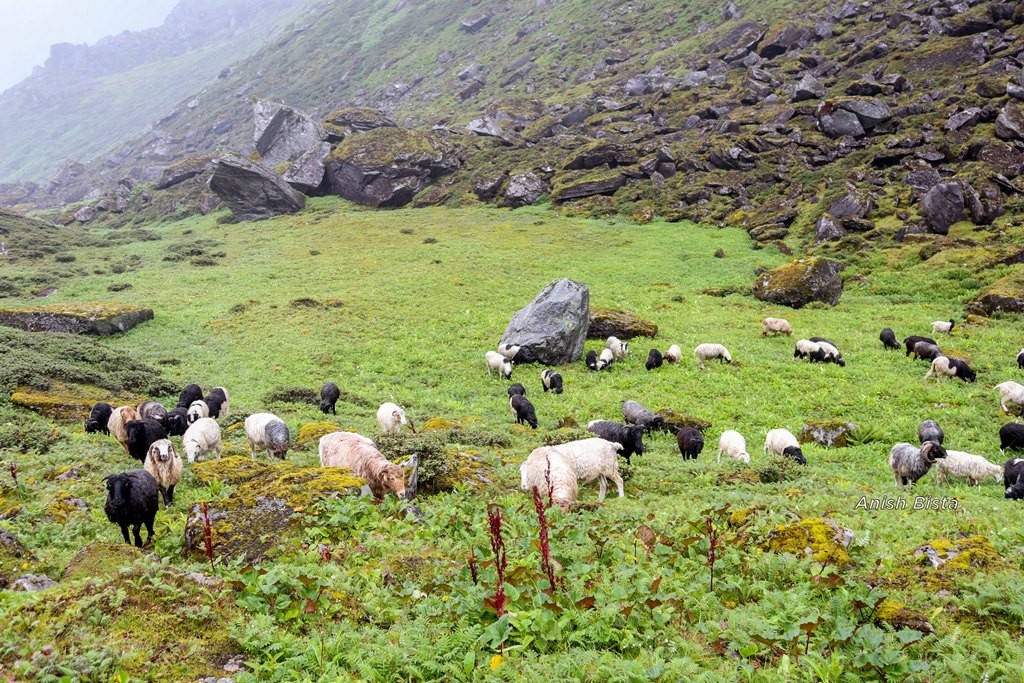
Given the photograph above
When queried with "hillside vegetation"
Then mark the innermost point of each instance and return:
(400, 306)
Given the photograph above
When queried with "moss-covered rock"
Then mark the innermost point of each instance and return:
(63, 506)
(1005, 295)
(257, 518)
(820, 539)
(98, 560)
(438, 424)
(67, 401)
(346, 121)
(76, 318)
(827, 432)
(607, 322)
(14, 558)
(578, 184)
(899, 616)
(310, 433)
(230, 470)
(800, 282)
(964, 555)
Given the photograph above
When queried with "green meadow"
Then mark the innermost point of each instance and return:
(401, 306)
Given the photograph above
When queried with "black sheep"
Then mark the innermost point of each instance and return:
(132, 500)
(1020, 359)
(98, 417)
(516, 389)
(913, 339)
(523, 356)
(630, 436)
(654, 359)
(141, 435)
(177, 421)
(963, 370)
(193, 392)
(930, 431)
(690, 441)
(329, 395)
(795, 453)
(1011, 437)
(638, 415)
(523, 410)
(215, 401)
(888, 339)
(551, 381)
(1013, 478)
(591, 360)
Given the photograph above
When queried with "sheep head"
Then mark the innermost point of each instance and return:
(162, 451)
(932, 451)
(118, 488)
(392, 480)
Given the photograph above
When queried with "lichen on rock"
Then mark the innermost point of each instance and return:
(800, 282)
(607, 322)
(820, 539)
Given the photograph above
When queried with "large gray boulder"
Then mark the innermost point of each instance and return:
(525, 189)
(800, 282)
(552, 327)
(282, 134)
(942, 206)
(251, 190)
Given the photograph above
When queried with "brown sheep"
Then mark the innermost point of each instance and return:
(116, 424)
(359, 455)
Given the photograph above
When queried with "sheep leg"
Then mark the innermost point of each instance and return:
(929, 374)
(149, 527)
(170, 496)
(124, 532)
(252, 448)
(602, 487)
(163, 494)
(719, 455)
(618, 483)
(138, 536)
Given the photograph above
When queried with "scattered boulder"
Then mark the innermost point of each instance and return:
(899, 616)
(525, 189)
(552, 327)
(820, 539)
(487, 188)
(282, 134)
(306, 172)
(808, 88)
(578, 184)
(800, 282)
(96, 318)
(837, 123)
(1010, 122)
(827, 229)
(601, 154)
(32, 583)
(474, 22)
(781, 38)
(942, 206)
(488, 127)
(1005, 295)
(827, 433)
(615, 322)
(341, 123)
(13, 555)
(251, 190)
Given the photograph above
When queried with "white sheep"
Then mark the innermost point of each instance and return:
(605, 359)
(390, 418)
(805, 348)
(545, 466)
(734, 445)
(509, 350)
(594, 458)
(266, 432)
(710, 351)
(943, 326)
(196, 410)
(164, 463)
(940, 368)
(1010, 394)
(782, 442)
(201, 438)
(618, 348)
(776, 326)
(973, 468)
(674, 354)
(496, 361)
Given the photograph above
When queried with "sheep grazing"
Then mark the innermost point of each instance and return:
(951, 367)
(591, 360)
(909, 462)
(973, 468)
(1020, 359)
(782, 442)
(674, 354)
(630, 437)
(963, 370)
(119, 417)
(177, 421)
(1010, 394)
(517, 354)
(888, 339)
(99, 416)
(930, 431)
(358, 454)
(551, 381)
(775, 326)
(1013, 478)
(913, 339)
(605, 360)
(133, 498)
(164, 463)
(196, 410)
(1011, 437)
(654, 359)
(734, 445)
(592, 459)
(807, 349)
(710, 352)
(925, 351)
(141, 434)
(217, 402)
(391, 417)
(509, 350)
(329, 395)
(523, 410)
(154, 410)
(619, 349)
(551, 473)
(636, 414)
(192, 392)
(201, 439)
(496, 361)
(941, 326)
(690, 442)
(516, 389)
(827, 353)
(267, 432)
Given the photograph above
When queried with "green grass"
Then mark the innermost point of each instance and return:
(414, 319)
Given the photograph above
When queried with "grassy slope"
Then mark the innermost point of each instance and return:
(414, 322)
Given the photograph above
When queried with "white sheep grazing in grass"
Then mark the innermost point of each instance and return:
(674, 354)
(805, 348)
(546, 466)
(201, 438)
(776, 326)
(1010, 394)
(618, 348)
(943, 326)
(496, 361)
(711, 351)
(357, 453)
(267, 432)
(734, 445)
(940, 368)
(782, 442)
(390, 418)
(594, 458)
(164, 463)
(973, 468)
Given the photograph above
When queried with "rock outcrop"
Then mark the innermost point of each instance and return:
(552, 327)
(77, 318)
(800, 282)
(252, 191)
(615, 322)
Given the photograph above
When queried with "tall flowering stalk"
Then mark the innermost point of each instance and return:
(207, 533)
(473, 571)
(545, 546)
(500, 559)
(547, 480)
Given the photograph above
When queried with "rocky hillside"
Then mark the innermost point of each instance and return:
(833, 123)
(87, 99)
